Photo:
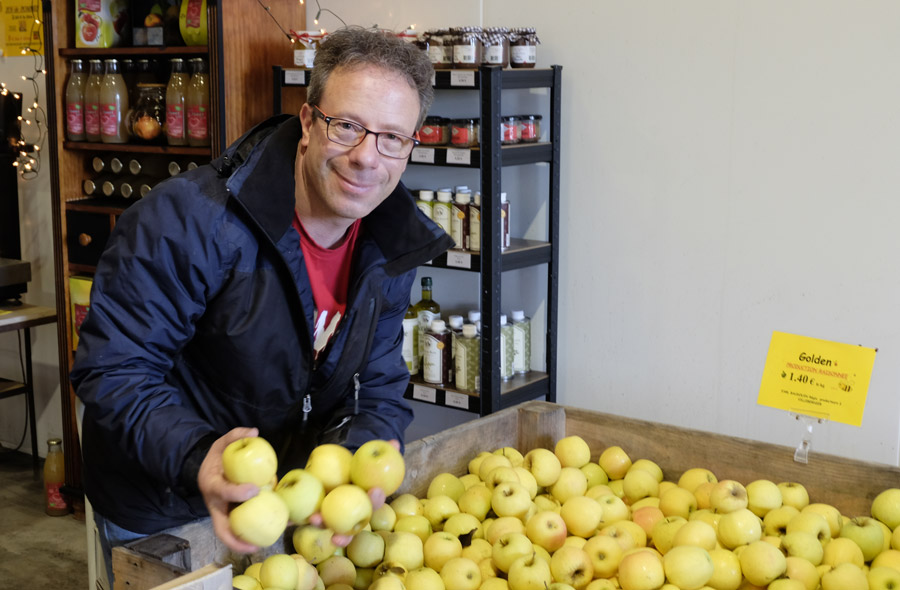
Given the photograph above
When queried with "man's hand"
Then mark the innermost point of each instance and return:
(218, 492)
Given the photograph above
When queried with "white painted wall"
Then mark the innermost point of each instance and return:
(728, 171)
(36, 228)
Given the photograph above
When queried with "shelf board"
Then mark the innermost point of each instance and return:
(520, 254)
(451, 157)
(520, 388)
(101, 205)
(149, 50)
(137, 148)
(453, 79)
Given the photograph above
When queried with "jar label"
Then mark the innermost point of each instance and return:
(436, 54)
(92, 119)
(521, 362)
(459, 136)
(527, 130)
(458, 225)
(424, 319)
(509, 132)
(448, 54)
(193, 14)
(494, 54)
(426, 208)
(304, 57)
(433, 359)
(441, 216)
(109, 120)
(55, 498)
(75, 118)
(506, 371)
(431, 134)
(523, 54)
(175, 121)
(411, 345)
(474, 229)
(464, 54)
(198, 121)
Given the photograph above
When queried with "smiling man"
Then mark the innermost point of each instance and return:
(264, 294)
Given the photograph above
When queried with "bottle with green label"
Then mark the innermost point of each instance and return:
(468, 361)
(521, 337)
(427, 310)
(506, 349)
(411, 341)
(437, 366)
(425, 203)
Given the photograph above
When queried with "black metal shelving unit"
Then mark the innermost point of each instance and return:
(491, 262)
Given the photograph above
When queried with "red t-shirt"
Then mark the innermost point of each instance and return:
(329, 276)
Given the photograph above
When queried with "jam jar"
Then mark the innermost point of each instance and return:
(435, 131)
(464, 132)
(523, 44)
(149, 115)
(529, 128)
(440, 48)
(509, 130)
(496, 47)
(468, 49)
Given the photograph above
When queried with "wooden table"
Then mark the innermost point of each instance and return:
(24, 317)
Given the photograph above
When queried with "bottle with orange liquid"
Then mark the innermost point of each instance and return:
(54, 477)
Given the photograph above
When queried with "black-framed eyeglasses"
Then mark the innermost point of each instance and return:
(351, 134)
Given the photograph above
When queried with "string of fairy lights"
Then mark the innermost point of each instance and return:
(33, 119)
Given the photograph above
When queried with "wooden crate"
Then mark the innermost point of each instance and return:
(846, 484)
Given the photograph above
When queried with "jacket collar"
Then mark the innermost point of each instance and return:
(260, 171)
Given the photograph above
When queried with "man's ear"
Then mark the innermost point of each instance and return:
(306, 121)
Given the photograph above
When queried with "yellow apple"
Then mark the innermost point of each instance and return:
(740, 527)
(775, 521)
(571, 482)
(810, 522)
(278, 571)
(708, 516)
(547, 502)
(803, 571)
(509, 548)
(469, 479)
(530, 572)
(245, 582)
(594, 474)
(438, 509)
(688, 566)
(571, 565)
(510, 499)
(648, 501)
(513, 454)
(492, 584)
(476, 501)
(418, 525)
(527, 480)
(728, 495)
(763, 495)
(446, 484)
(845, 576)
(702, 493)
(346, 509)
(646, 517)
(250, 460)
(803, 544)
(313, 543)
(575, 541)
(461, 573)
(614, 509)
(490, 463)
(387, 583)
(501, 526)
(572, 451)
(500, 474)
(424, 578)
(794, 494)
(697, 533)
(462, 525)
(605, 553)
(603, 584)
(331, 464)
(831, 515)
(641, 570)
(599, 491)
(786, 584)
(629, 534)
(883, 578)
(663, 534)
(302, 492)
(761, 563)
(887, 558)
(547, 529)
(252, 570)
(377, 464)
(477, 550)
(650, 467)
(582, 515)
(366, 549)
(638, 484)
(260, 520)
(383, 518)
(677, 501)
(405, 549)
(694, 476)
(615, 462)
(439, 548)
(337, 569)
(407, 505)
(727, 573)
(867, 533)
(842, 550)
(617, 487)
(886, 507)
(474, 464)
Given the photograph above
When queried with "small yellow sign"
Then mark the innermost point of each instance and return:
(817, 378)
(21, 27)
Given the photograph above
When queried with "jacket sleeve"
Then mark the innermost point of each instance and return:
(162, 264)
(383, 412)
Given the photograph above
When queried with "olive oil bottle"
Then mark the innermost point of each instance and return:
(427, 310)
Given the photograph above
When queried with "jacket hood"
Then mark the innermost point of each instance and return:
(262, 181)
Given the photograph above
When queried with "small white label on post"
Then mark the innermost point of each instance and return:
(295, 77)
(457, 400)
(462, 78)
(422, 155)
(459, 259)
(424, 394)
(457, 156)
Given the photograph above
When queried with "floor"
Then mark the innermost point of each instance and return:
(37, 551)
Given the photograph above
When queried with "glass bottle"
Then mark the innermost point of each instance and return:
(176, 128)
(113, 105)
(411, 341)
(92, 101)
(54, 477)
(468, 359)
(427, 310)
(75, 101)
(149, 114)
(197, 104)
(521, 331)
(506, 349)
(129, 72)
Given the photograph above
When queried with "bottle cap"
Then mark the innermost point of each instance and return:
(469, 331)
(456, 321)
(425, 195)
(518, 315)
(502, 319)
(445, 196)
(502, 197)
(463, 198)
(476, 197)
(438, 326)
(474, 316)
(426, 282)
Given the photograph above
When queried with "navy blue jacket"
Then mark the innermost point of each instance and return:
(201, 320)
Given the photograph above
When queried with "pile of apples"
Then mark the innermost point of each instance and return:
(555, 520)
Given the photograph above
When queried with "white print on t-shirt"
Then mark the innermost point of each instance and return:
(323, 334)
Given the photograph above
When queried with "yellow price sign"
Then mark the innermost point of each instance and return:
(817, 378)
